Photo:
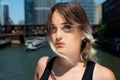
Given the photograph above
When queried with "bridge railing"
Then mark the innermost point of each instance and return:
(23, 29)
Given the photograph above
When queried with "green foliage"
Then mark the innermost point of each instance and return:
(101, 31)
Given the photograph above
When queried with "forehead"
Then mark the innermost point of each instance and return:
(57, 18)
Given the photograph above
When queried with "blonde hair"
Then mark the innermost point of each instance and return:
(74, 14)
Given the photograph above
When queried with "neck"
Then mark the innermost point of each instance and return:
(62, 66)
(70, 61)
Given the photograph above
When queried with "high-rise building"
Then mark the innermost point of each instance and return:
(88, 6)
(36, 11)
(29, 12)
(111, 17)
(0, 13)
(4, 15)
(97, 13)
(42, 8)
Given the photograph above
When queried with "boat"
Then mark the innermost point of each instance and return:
(34, 44)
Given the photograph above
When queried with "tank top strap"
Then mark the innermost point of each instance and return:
(88, 74)
(48, 69)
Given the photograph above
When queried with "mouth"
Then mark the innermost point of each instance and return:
(59, 44)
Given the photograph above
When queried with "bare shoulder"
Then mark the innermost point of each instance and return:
(103, 73)
(42, 62)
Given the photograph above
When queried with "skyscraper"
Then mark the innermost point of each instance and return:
(29, 11)
(36, 11)
(88, 6)
(97, 13)
(0, 13)
(42, 8)
(4, 15)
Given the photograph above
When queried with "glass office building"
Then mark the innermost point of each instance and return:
(36, 11)
(4, 15)
(29, 11)
(88, 6)
(42, 8)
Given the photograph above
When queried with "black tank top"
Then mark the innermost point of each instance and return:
(87, 74)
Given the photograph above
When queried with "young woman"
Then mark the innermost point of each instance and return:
(71, 39)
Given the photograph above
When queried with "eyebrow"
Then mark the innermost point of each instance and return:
(64, 23)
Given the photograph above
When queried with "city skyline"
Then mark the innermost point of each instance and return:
(17, 9)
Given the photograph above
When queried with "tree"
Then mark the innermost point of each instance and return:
(101, 31)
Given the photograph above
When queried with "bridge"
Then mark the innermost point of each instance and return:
(16, 33)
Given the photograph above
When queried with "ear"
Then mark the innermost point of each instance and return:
(83, 38)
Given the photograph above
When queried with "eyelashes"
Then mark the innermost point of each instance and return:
(65, 28)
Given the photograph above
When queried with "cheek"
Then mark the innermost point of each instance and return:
(75, 39)
(52, 38)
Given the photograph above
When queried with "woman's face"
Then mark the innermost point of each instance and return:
(65, 37)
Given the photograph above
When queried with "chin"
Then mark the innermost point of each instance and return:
(59, 50)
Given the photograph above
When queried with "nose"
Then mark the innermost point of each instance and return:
(58, 35)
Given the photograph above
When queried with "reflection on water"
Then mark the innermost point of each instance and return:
(18, 64)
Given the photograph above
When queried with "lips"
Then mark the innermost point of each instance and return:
(59, 44)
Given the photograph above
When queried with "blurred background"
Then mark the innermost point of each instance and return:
(23, 38)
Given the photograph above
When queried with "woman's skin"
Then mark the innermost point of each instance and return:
(67, 39)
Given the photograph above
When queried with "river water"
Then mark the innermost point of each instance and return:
(18, 64)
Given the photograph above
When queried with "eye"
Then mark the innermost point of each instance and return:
(67, 27)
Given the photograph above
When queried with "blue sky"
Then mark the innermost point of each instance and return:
(17, 9)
